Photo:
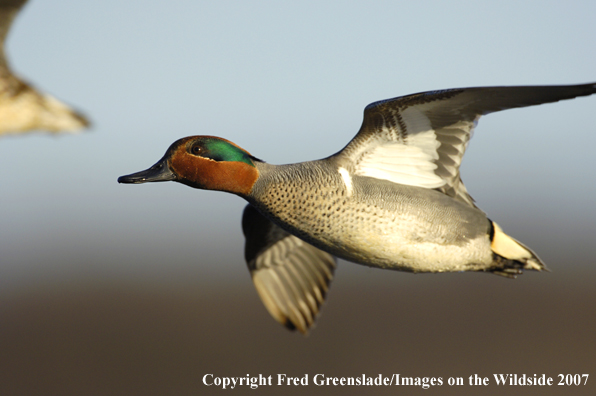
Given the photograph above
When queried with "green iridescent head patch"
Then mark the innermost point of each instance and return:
(219, 150)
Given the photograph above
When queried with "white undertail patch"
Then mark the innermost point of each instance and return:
(345, 175)
(507, 247)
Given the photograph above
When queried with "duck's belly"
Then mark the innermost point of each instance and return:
(382, 224)
(411, 244)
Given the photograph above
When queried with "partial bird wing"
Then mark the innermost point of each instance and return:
(8, 10)
(290, 275)
(420, 139)
(22, 107)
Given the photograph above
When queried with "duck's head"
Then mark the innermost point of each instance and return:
(204, 162)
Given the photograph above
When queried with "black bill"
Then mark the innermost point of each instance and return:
(157, 173)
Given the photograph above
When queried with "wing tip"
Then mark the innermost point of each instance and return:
(282, 309)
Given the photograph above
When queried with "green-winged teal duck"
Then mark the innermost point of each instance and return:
(392, 198)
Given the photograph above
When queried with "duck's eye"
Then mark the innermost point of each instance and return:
(196, 150)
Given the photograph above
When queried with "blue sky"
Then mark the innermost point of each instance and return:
(288, 82)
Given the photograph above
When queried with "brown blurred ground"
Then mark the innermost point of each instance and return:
(127, 338)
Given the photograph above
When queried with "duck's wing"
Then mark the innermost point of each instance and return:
(420, 139)
(22, 107)
(291, 276)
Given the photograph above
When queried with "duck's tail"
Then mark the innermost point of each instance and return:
(510, 256)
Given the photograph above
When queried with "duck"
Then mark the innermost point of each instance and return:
(22, 107)
(392, 198)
